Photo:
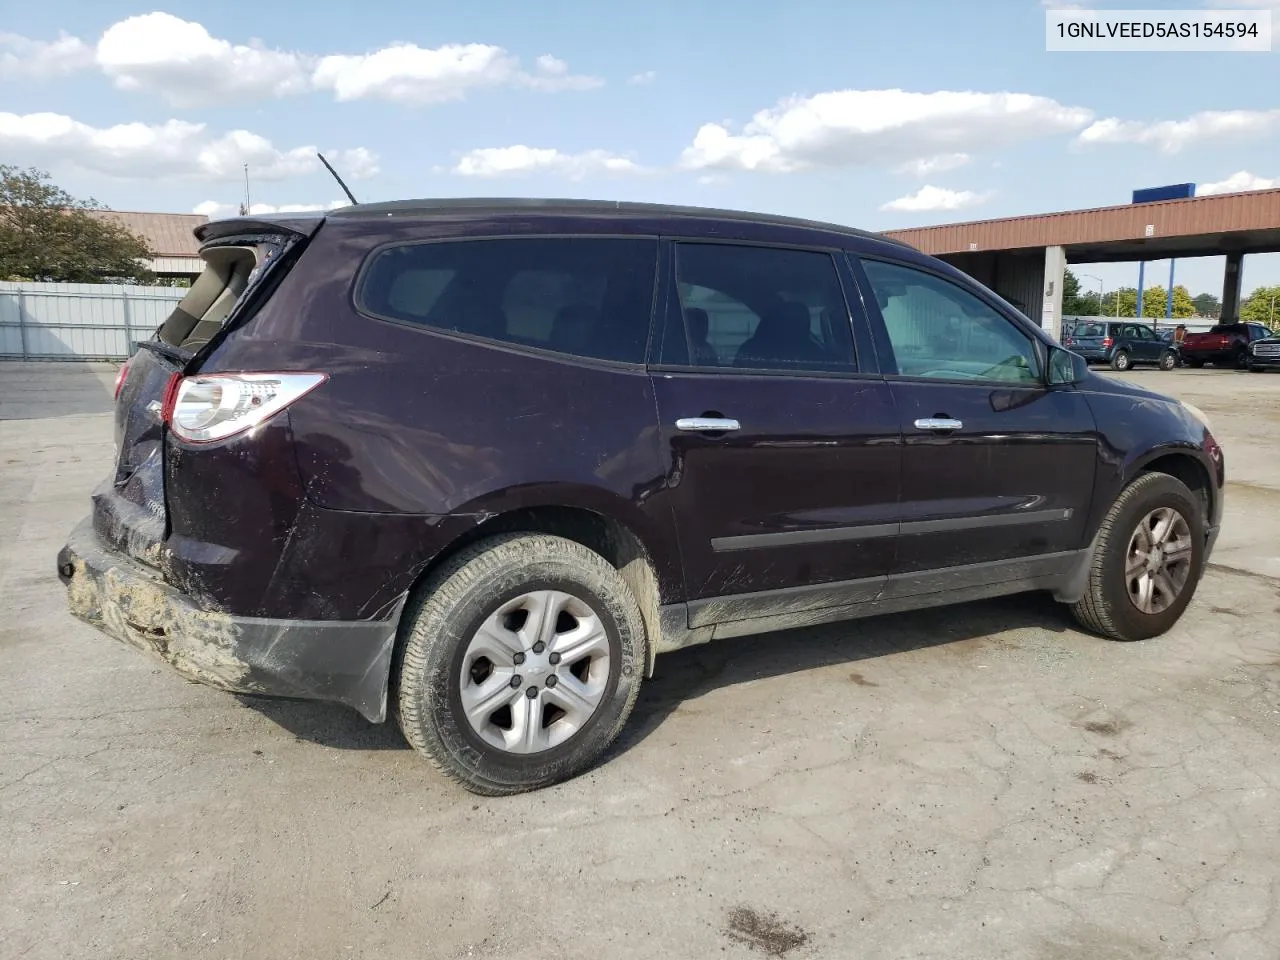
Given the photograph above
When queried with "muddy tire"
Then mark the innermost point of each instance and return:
(1147, 561)
(1120, 360)
(520, 661)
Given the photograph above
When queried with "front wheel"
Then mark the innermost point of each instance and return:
(521, 663)
(1121, 361)
(1168, 360)
(1146, 562)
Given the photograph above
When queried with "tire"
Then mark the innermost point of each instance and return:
(1241, 359)
(1168, 360)
(1107, 607)
(442, 636)
(1121, 361)
(1193, 364)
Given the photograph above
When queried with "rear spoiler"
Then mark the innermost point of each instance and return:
(298, 224)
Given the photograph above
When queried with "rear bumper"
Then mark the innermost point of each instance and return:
(345, 662)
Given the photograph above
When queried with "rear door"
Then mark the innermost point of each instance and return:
(129, 508)
(783, 448)
(997, 468)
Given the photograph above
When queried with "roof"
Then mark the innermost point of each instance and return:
(1249, 219)
(166, 234)
(498, 206)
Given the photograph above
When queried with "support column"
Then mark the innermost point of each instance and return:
(1055, 267)
(1231, 288)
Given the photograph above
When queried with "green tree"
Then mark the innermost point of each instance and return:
(1128, 297)
(1206, 304)
(1155, 302)
(45, 234)
(1263, 306)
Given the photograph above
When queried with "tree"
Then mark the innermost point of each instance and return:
(1155, 302)
(1128, 302)
(1075, 303)
(1263, 306)
(1206, 304)
(45, 234)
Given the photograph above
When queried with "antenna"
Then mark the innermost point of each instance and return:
(327, 166)
(244, 206)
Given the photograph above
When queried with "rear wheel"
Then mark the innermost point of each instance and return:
(1241, 359)
(1121, 361)
(1146, 562)
(1168, 360)
(522, 661)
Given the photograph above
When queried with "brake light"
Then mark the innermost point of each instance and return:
(1107, 341)
(124, 372)
(220, 405)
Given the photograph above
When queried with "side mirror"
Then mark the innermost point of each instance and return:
(1066, 367)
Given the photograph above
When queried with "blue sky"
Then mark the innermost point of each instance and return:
(873, 114)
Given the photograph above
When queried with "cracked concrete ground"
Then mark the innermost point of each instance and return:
(976, 782)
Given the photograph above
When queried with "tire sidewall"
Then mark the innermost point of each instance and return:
(452, 630)
(1121, 361)
(1133, 623)
(1168, 361)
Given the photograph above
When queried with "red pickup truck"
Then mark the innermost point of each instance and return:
(1226, 344)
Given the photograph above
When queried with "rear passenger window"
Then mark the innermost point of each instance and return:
(577, 295)
(760, 308)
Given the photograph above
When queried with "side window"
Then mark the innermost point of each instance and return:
(759, 308)
(940, 331)
(578, 295)
(1257, 331)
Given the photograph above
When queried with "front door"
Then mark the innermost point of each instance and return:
(783, 457)
(1147, 347)
(997, 467)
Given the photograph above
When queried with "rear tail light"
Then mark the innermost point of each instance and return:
(124, 372)
(1107, 341)
(220, 405)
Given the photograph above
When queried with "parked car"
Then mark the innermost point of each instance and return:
(1121, 343)
(1264, 354)
(474, 464)
(1226, 344)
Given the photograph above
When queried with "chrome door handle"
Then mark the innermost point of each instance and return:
(707, 424)
(938, 424)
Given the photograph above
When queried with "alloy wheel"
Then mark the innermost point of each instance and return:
(1158, 561)
(535, 672)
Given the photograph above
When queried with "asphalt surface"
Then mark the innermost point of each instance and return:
(982, 781)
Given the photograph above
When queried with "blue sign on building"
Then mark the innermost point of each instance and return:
(1174, 191)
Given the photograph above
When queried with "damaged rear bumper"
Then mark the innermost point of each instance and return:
(345, 662)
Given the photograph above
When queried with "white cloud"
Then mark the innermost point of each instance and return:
(519, 159)
(1237, 183)
(220, 211)
(639, 79)
(929, 198)
(873, 127)
(1171, 136)
(180, 61)
(21, 57)
(939, 164)
(173, 149)
(413, 74)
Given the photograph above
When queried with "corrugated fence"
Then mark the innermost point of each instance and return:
(79, 321)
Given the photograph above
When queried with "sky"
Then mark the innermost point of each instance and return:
(871, 114)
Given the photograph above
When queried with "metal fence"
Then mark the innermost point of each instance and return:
(79, 321)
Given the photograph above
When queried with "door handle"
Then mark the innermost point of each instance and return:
(938, 424)
(707, 424)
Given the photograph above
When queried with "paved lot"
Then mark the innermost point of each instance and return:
(979, 782)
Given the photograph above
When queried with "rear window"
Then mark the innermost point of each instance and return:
(1227, 328)
(589, 297)
(228, 273)
(1090, 330)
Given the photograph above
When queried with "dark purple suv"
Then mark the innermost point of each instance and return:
(479, 462)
